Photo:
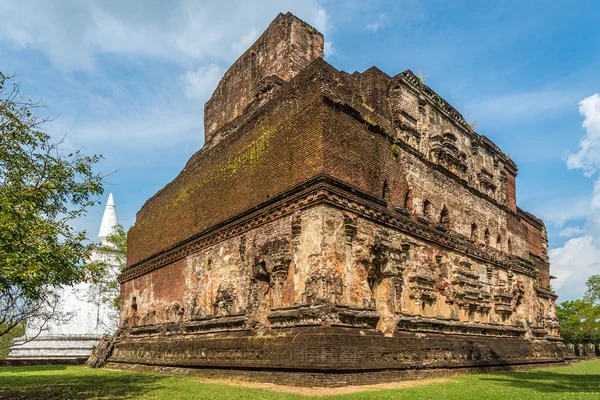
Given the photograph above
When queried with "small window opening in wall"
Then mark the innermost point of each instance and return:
(385, 189)
(473, 231)
(426, 208)
(486, 236)
(445, 217)
(133, 304)
(407, 199)
(509, 246)
(499, 242)
(371, 282)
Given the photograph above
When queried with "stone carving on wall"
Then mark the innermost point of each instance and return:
(223, 304)
(421, 282)
(508, 295)
(406, 130)
(132, 316)
(242, 248)
(468, 289)
(546, 312)
(350, 227)
(149, 318)
(323, 287)
(501, 192)
(174, 312)
(269, 275)
(444, 151)
(387, 266)
(296, 228)
(486, 182)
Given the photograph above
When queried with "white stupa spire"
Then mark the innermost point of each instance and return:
(109, 220)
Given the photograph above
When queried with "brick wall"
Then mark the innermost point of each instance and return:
(285, 48)
(277, 149)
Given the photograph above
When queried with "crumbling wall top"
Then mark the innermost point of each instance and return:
(284, 49)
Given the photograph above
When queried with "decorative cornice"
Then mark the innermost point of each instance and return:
(324, 189)
(532, 219)
(546, 294)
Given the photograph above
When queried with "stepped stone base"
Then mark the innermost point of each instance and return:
(327, 379)
(72, 347)
(330, 356)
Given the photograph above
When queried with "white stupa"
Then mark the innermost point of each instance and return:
(89, 319)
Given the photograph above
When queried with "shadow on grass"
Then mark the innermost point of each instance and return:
(548, 381)
(31, 368)
(44, 383)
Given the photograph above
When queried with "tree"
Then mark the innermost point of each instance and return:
(103, 272)
(42, 191)
(592, 294)
(580, 319)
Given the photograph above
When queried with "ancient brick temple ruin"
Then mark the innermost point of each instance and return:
(335, 228)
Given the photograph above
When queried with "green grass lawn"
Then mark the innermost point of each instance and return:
(578, 381)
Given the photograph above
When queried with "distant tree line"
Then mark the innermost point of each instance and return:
(580, 319)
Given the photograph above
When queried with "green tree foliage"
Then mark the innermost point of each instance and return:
(102, 273)
(580, 319)
(43, 189)
(592, 294)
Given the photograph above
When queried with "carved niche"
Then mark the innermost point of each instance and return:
(223, 304)
(323, 287)
(508, 295)
(350, 228)
(486, 182)
(174, 312)
(421, 283)
(388, 264)
(272, 266)
(406, 129)
(468, 290)
(269, 274)
(444, 151)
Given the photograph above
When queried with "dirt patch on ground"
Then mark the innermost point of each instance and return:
(323, 391)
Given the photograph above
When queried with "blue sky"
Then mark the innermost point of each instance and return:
(128, 80)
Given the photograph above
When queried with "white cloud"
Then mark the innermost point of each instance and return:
(119, 75)
(563, 210)
(523, 105)
(328, 49)
(579, 257)
(571, 231)
(573, 264)
(373, 27)
(72, 33)
(381, 21)
(153, 128)
(244, 42)
(199, 84)
(320, 20)
(588, 156)
(179, 47)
